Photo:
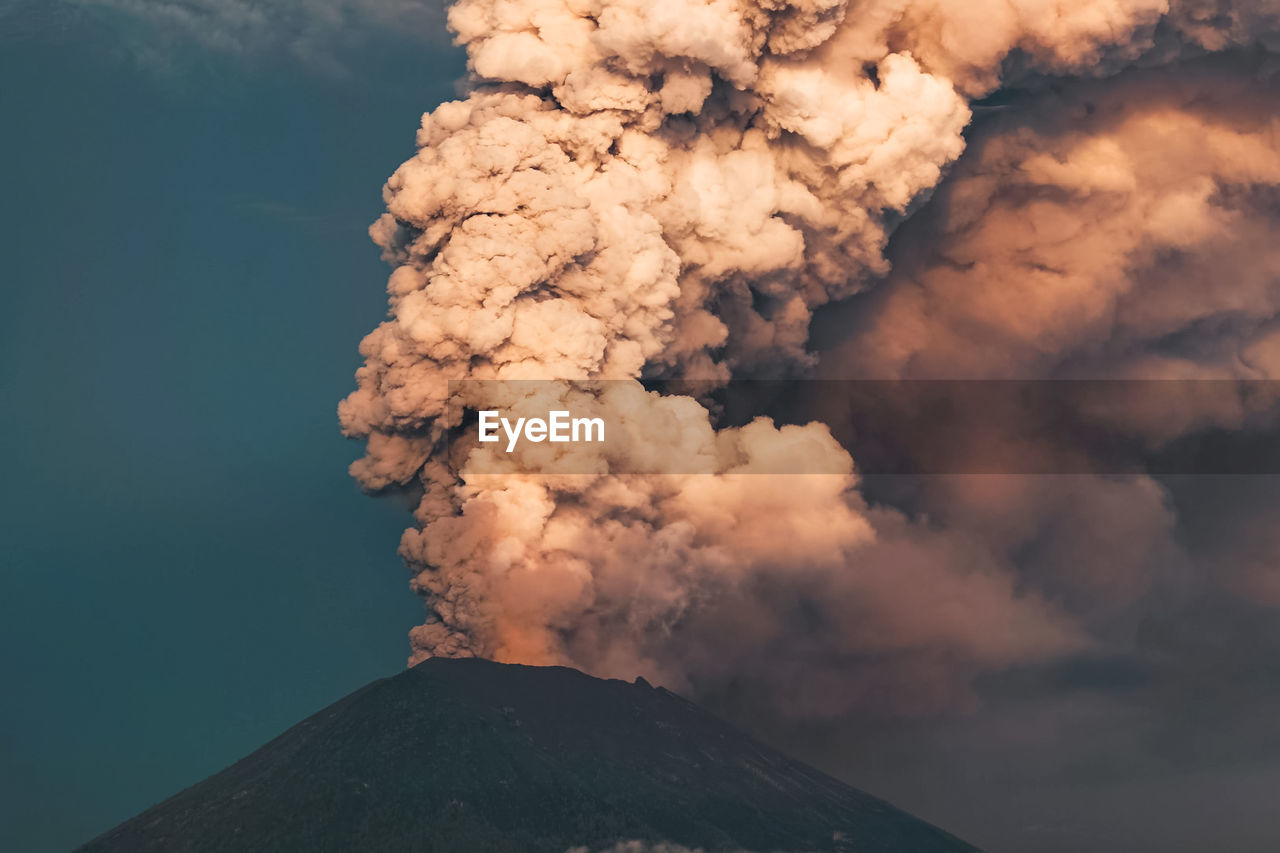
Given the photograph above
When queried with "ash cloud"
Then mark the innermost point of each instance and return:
(654, 189)
(1117, 229)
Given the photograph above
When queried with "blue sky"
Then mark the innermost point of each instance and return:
(187, 569)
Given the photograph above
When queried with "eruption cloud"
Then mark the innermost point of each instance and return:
(671, 188)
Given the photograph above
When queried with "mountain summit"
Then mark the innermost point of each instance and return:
(470, 756)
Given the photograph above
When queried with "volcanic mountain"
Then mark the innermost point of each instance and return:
(470, 756)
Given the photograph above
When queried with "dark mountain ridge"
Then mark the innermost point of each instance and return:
(470, 756)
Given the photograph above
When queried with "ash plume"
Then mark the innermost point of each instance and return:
(638, 189)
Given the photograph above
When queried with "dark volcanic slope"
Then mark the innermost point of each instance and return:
(468, 756)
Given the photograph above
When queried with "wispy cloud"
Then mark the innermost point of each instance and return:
(315, 31)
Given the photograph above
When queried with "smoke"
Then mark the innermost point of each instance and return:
(638, 189)
(1123, 229)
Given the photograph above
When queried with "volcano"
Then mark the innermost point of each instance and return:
(471, 756)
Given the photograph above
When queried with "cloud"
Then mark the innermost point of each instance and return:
(316, 32)
(647, 189)
(1120, 229)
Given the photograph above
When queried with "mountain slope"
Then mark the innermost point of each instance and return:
(469, 756)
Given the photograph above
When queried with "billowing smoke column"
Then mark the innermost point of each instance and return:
(650, 188)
